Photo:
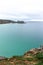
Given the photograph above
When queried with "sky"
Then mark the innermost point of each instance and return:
(21, 9)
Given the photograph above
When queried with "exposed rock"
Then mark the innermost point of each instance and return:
(33, 52)
(2, 58)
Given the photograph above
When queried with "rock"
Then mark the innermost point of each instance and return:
(33, 51)
(2, 58)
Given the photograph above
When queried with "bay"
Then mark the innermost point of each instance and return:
(16, 39)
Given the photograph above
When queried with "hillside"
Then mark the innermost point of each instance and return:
(2, 21)
(32, 57)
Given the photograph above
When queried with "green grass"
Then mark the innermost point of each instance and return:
(39, 63)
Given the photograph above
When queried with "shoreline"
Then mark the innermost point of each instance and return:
(3, 21)
(32, 57)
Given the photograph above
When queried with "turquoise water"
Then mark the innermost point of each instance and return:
(16, 39)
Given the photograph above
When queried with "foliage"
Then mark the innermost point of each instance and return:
(39, 63)
(29, 59)
(19, 57)
(39, 55)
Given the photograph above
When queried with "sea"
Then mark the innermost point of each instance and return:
(17, 39)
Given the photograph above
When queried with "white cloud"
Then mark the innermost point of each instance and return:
(19, 9)
(27, 6)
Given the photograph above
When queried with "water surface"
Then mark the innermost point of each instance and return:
(16, 39)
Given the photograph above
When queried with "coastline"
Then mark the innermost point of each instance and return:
(32, 57)
(2, 21)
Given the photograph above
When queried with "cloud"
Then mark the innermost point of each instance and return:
(21, 9)
(29, 6)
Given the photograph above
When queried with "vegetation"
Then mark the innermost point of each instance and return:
(2, 21)
(28, 59)
(39, 63)
(39, 55)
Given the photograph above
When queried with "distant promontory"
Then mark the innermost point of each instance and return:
(2, 21)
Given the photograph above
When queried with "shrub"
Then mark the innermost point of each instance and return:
(39, 55)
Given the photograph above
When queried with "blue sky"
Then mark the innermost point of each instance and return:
(21, 9)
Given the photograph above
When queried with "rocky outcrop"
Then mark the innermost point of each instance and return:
(33, 52)
(2, 58)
